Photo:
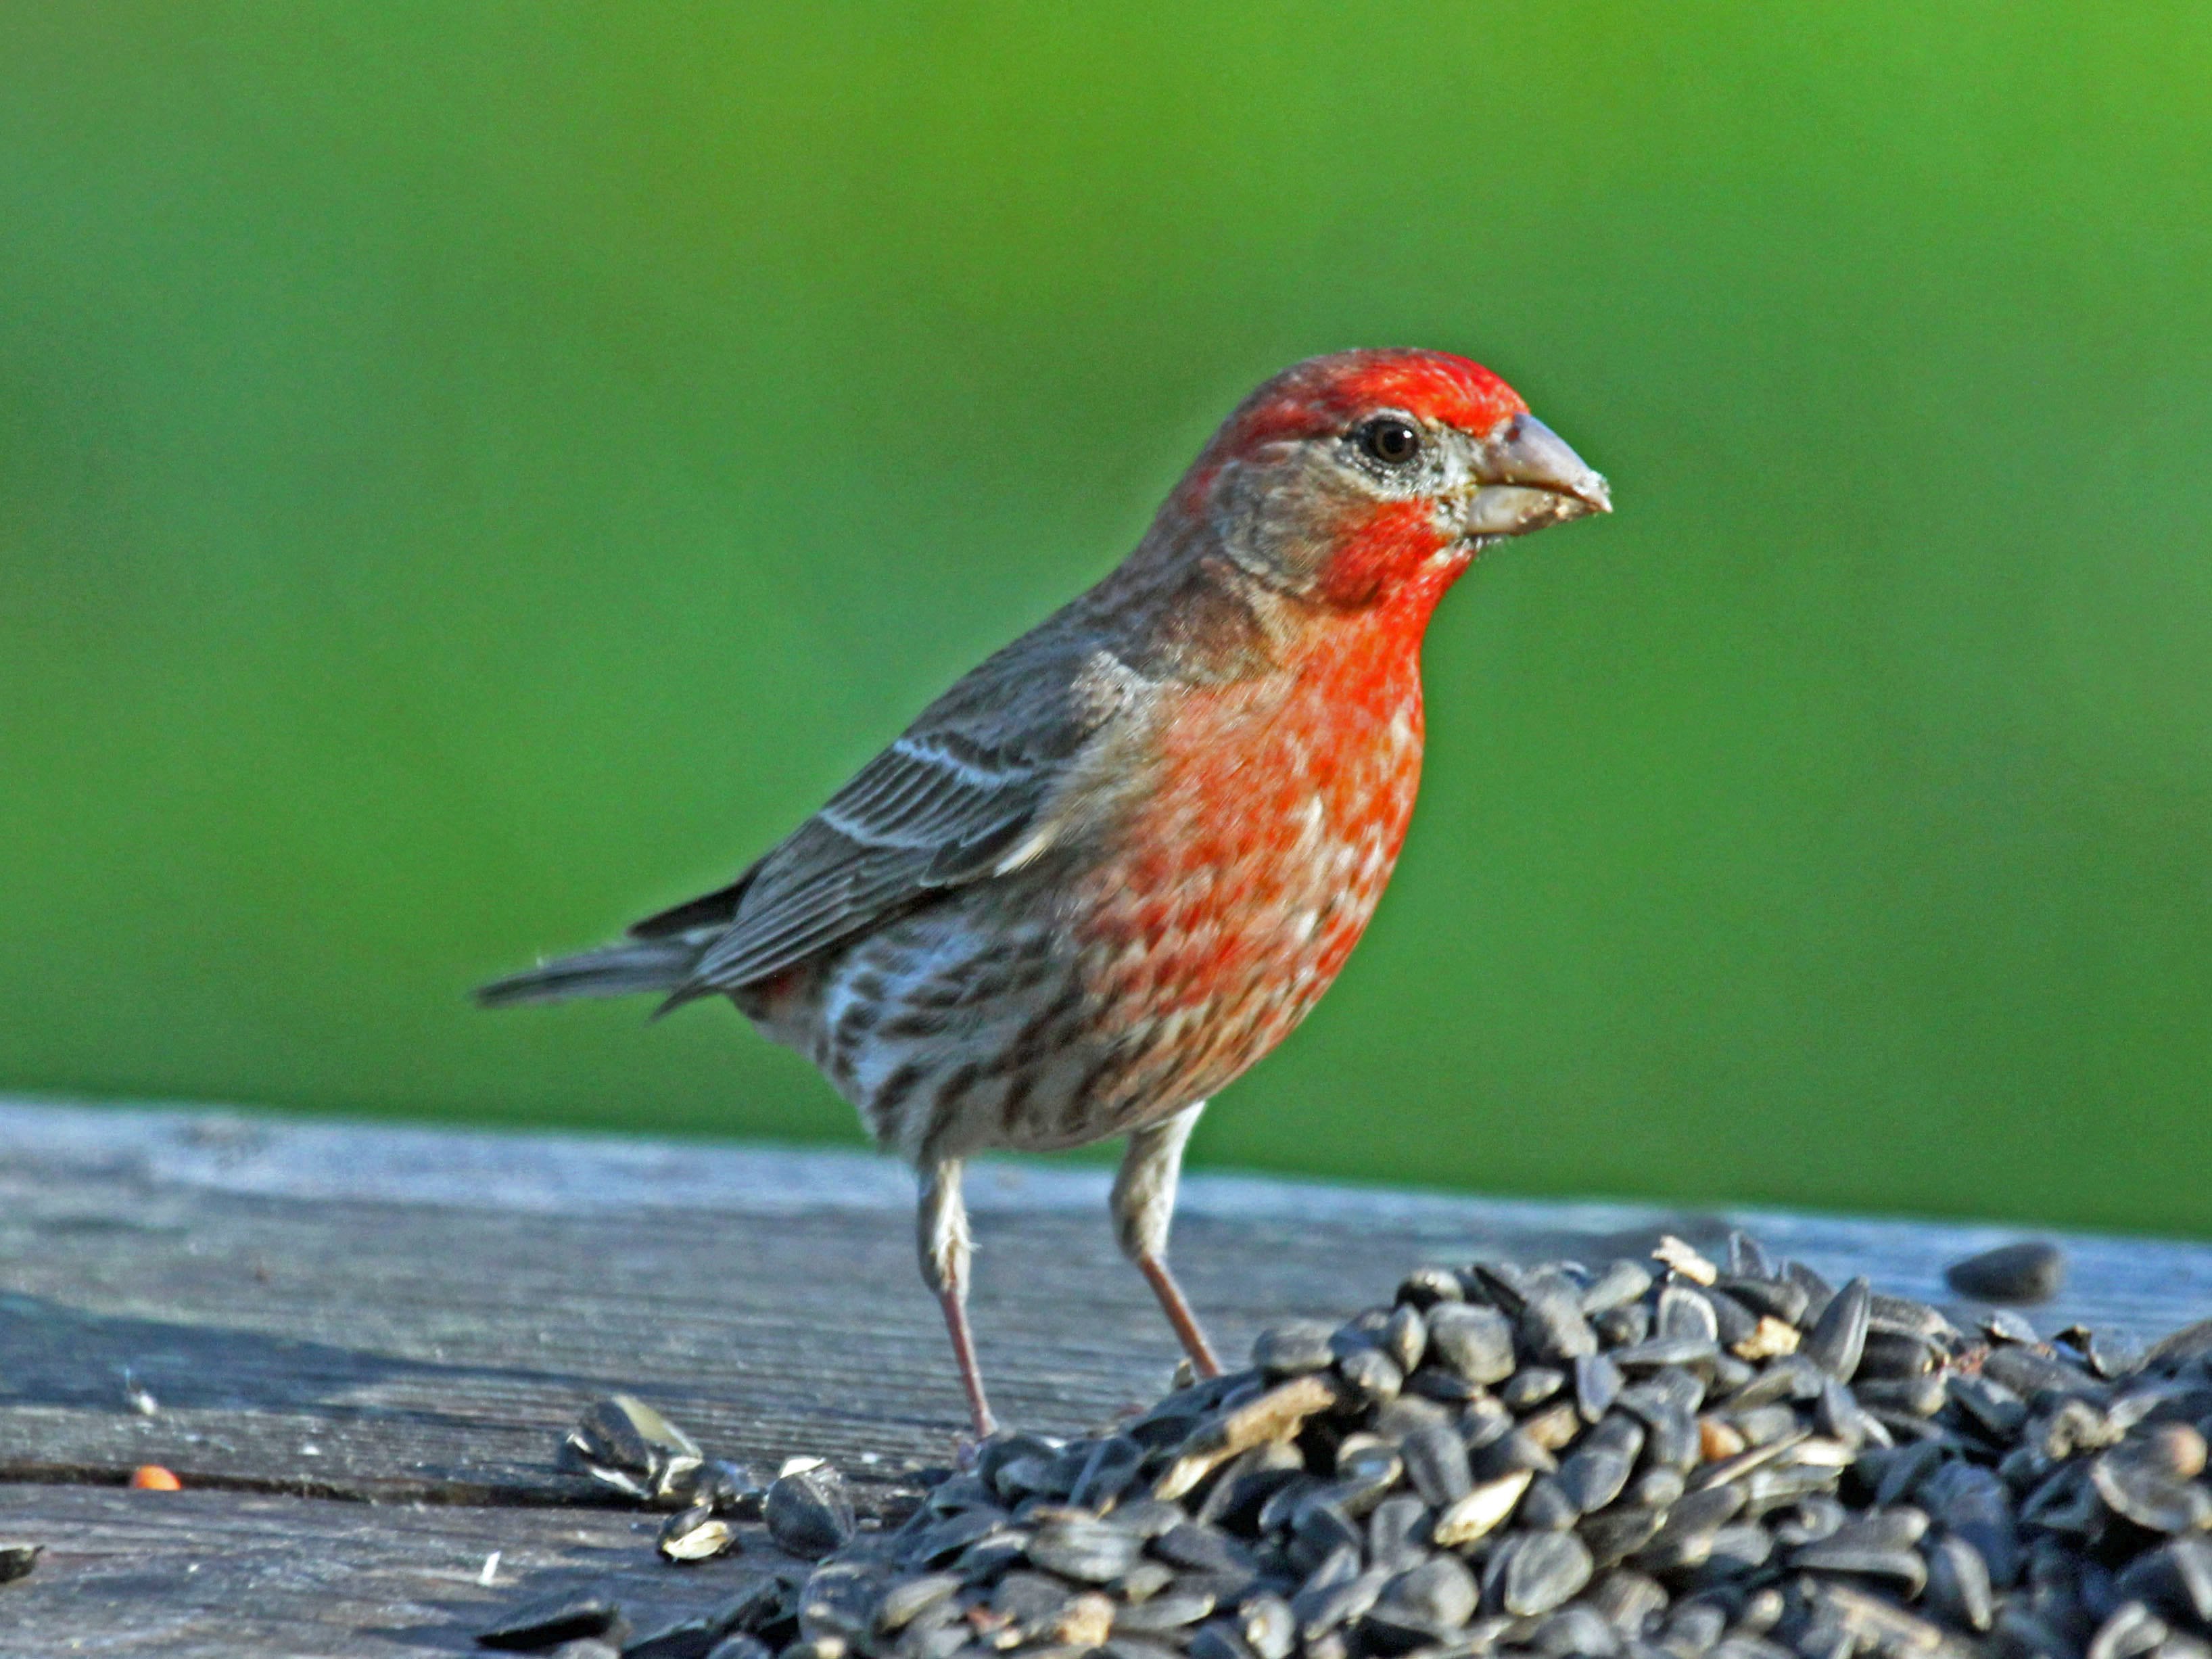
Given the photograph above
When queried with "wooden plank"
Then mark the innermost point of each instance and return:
(226, 1574)
(371, 1312)
(329, 1314)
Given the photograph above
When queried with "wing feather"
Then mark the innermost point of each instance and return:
(981, 773)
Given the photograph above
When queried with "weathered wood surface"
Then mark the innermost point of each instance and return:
(330, 1314)
(243, 1573)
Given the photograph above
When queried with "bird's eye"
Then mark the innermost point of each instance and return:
(1389, 440)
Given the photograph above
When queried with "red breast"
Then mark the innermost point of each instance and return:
(1233, 896)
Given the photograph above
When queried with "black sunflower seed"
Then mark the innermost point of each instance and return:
(1110, 1470)
(1574, 1630)
(2025, 1371)
(1537, 1573)
(1122, 1647)
(1531, 1385)
(1778, 1298)
(1673, 1389)
(1502, 1283)
(948, 1538)
(1696, 1627)
(1901, 1471)
(1901, 1567)
(1626, 1599)
(1748, 1257)
(1838, 1414)
(1817, 1290)
(982, 1563)
(1203, 1549)
(1837, 1338)
(1265, 1622)
(1671, 1440)
(1293, 1348)
(551, 1619)
(1891, 1353)
(1993, 1411)
(1737, 1325)
(1552, 1325)
(1440, 1593)
(1735, 1550)
(1474, 1341)
(1909, 1397)
(1404, 1337)
(1684, 1537)
(809, 1512)
(1398, 1531)
(1162, 1614)
(838, 1602)
(2132, 1482)
(1322, 1531)
(1366, 1475)
(1545, 1507)
(1001, 1451)
(1959, 1583)
(1218, 1640)
(1597, 1470)
(1424, 1288)
(1684, 1313)
(1790, 1377)
(1598, 1382)
(2176, 1577)
(1622, 1282)
(1622, 1326)
(1436, 1461)
(1809, 1520)
(1618, 1533)
(1661, 1352)
(1554, 1426)
(1144, 1581)
(695, 1534)
(906, 1602)
(1319, 1609)
(1090, 1551)
(2033, 1271)
(2131, 1628)
(1372, 1375)
(1514, 1451)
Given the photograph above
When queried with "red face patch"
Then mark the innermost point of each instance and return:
(1433, 385)
(1325, 394)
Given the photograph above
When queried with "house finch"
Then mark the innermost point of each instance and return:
(1121, 860)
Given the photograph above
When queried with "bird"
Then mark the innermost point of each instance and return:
(1121, 858)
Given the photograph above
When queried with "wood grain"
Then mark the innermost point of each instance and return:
(191, 1573)
(329, 1316)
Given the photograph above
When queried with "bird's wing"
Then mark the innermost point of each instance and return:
(974, 787)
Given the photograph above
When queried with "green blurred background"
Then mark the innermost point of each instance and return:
(471, 473)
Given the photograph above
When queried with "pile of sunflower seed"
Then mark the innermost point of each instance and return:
(1661, 1458)
(1653, 1457)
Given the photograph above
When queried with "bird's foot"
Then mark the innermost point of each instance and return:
(967, 1446)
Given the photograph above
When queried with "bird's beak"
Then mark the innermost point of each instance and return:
(1528, 477)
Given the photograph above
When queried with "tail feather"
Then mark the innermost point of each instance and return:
(615, 970)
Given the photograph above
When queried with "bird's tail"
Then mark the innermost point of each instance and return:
(613, 970)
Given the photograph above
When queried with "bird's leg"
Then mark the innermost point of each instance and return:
(1144, 1206)
(942, 1230)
